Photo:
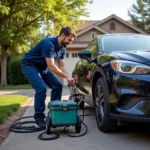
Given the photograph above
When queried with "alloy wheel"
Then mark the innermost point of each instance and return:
(99, 104)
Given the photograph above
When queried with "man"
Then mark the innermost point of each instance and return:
(39, 67)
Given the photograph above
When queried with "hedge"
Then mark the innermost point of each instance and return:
(15, 73)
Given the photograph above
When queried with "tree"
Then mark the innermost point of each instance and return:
(21, 19)
(140, 14)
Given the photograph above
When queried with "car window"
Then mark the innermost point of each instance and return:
(94, 47)
(125, 43)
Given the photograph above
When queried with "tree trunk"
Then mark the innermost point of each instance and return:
(4, 68)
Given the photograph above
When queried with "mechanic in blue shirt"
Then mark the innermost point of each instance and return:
(39, 67)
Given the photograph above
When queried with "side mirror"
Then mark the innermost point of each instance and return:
(85, 54)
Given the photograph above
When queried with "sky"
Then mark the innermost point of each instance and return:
(101, 9)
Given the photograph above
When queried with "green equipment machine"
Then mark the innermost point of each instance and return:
(64, 113)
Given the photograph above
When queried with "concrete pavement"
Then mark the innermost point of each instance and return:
(93, 140)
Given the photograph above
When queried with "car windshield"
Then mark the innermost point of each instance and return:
(126, 43)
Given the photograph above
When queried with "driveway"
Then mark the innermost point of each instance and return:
(126, 139)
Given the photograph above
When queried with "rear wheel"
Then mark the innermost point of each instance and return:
(104, 122)
(78, 125)
(48, 124)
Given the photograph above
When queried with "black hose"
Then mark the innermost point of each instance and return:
(18, 126)
(86, 128)
(56, 136)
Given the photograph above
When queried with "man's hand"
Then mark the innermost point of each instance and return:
(70, 80)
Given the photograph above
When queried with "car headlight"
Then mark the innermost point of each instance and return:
(129, 67)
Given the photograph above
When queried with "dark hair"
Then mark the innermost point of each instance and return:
(67, 31)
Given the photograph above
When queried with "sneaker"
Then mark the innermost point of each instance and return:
(41, 123)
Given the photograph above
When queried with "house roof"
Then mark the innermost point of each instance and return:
(91, 27)
(88, 27)
(121, 20)
(86, 24)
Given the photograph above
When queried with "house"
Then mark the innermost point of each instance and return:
(89, 30)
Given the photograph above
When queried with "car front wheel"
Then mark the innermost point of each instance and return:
(104, 122)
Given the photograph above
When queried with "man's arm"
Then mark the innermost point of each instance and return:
(61, 65)
(52, 67)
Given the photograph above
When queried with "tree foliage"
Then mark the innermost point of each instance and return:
(140, 14)
(21, 21)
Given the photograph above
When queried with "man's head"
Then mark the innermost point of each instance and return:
(66, 36)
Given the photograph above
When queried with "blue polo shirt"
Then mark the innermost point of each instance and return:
(46, 48)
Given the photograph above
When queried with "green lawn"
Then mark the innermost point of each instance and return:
(10, 103)
(25, 86)
(14, 87)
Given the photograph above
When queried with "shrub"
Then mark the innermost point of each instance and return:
(15, 73)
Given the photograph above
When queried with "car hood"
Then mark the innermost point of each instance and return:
(137, 56)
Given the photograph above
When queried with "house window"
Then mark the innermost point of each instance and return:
(67, 55)
(112, 26)
(74, 55)
(93, 35)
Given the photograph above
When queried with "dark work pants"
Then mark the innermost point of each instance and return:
(39, 81)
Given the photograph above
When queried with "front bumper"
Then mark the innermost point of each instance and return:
(130, 118)
(130, 97)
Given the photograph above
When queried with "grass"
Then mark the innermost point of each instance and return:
(24, 86)
(9, 104)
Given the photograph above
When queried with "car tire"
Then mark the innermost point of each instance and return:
(104, 122)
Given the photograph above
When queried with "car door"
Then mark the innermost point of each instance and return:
(83, 72)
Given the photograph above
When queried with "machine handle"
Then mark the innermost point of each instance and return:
(64, 107)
